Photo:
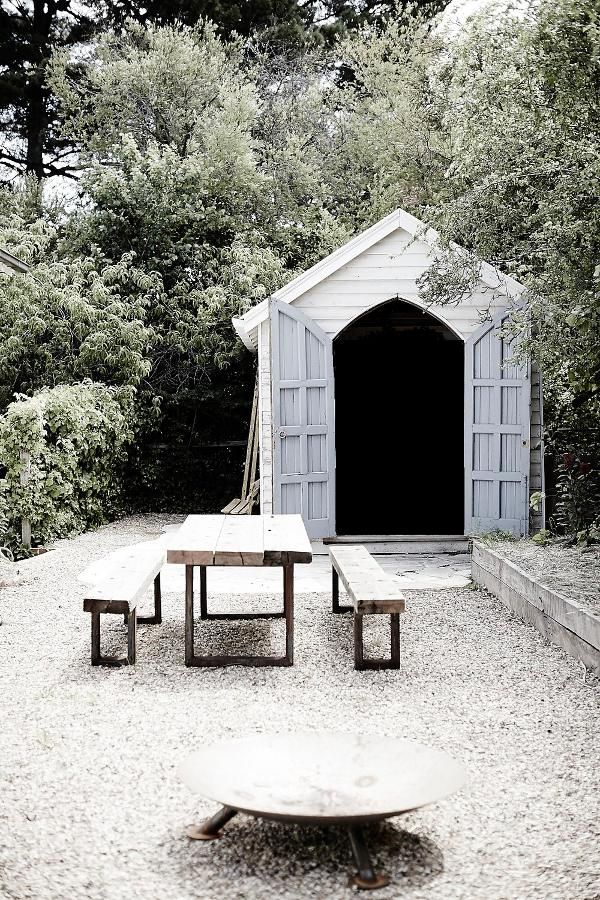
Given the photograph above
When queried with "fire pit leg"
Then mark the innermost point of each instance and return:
(211, 829)
(366, 878)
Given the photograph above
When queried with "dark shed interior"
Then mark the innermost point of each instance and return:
(399, 401)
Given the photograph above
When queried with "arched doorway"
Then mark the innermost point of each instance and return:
(399, 408)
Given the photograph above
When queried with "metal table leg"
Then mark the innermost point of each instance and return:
(366, 878)
(211, 829)
(193, 659)
(205, 615)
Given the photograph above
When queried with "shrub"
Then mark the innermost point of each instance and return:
(578, 497)
(76, 436)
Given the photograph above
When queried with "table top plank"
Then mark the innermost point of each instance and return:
(286, 541)
(194, 543)
(222, 540)
(240, 542)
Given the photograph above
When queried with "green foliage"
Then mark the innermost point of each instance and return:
(541, 538)
(521, 115)
(29, 31)
(76, 436)
(186, 170)
(578, 497)
(573, 457)
(496, 535)
(389, 148)
(68, 318)
(536, 500)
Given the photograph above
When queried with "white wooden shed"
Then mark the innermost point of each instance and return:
(379, 415)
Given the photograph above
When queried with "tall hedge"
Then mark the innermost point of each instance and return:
(76, 437)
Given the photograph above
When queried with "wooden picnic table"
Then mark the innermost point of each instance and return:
(222, 540)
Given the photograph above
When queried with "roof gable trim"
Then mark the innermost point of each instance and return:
(399, 219)
(13, 262)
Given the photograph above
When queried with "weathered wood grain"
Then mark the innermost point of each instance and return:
(558, 619)
(194, 543)
(370, 589)
(25, 460)
(240, 542)
(285, 540)
(126, 578)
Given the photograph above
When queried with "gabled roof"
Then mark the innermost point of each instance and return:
(399, 219)
(13, 262)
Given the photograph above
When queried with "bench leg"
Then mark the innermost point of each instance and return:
(288, 607)
(131, 636)
(358, 641)
(156, 619)
(96, 657)
(131, 618)
(393, 662)
(335, 594)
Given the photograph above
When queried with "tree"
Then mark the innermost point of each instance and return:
(387, 146)
(284, 21)
(179, 170)
(179, 173)
(29, 32)
(523, 119)
(68, 318)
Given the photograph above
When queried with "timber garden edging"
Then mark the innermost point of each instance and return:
(560, 620)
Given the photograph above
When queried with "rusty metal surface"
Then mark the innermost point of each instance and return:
(322, 778)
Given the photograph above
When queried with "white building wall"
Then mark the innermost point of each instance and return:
(265, 405)
(390, 269)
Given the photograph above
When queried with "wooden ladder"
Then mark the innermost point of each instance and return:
(250, 486)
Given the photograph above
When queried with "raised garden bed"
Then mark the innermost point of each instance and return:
(573, 625)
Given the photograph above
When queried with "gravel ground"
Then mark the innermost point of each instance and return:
(573, 572)
(90, 806)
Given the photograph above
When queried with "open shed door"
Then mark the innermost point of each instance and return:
(497, 417)
(303, 416)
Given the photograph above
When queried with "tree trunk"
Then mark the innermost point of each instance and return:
(36, 91)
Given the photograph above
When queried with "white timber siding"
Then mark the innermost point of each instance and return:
(536, 452)
(389, 269)
(385, 263)
(265, 406)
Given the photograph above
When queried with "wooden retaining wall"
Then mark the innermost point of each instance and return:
(562, 621)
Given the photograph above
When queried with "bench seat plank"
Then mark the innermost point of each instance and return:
(126, 578)
(370, 589)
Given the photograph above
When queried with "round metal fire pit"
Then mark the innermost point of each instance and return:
(341, 779)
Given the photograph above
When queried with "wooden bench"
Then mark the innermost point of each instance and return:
(243, 506)
(124, 582)
(372, 591)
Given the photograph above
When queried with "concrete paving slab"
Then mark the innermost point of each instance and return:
(413, 571)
